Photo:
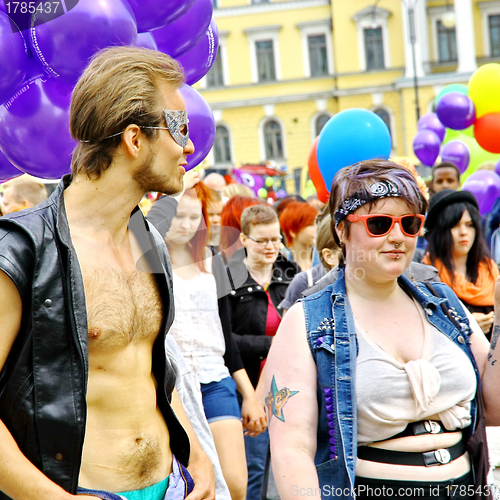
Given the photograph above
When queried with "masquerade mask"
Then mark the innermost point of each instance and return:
(177, 125)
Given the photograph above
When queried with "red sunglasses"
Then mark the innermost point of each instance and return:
(380, 225)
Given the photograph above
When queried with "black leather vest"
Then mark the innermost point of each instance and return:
(44, 381)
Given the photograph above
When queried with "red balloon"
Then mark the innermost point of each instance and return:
(487, 132)
(315, 174)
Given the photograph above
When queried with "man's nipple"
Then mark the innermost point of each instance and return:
(94, 333)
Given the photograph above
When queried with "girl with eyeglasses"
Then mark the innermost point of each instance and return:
(372, 382)
(256, 313)
(459, 251)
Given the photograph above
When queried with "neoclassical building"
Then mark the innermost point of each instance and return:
(285, 67)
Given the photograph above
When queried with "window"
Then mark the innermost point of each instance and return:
(273, 140)
(265, 61)
(215, 76)
(221, 145)
(215, 3)
(321, 122)
(374, 48)
(317, 55)
(447, 43)
(382, 113)
(494, 31)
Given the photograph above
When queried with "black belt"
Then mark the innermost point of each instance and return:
(422, 427)
(428, 458)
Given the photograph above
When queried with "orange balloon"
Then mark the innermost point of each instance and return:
(315, 174)
(487, 132)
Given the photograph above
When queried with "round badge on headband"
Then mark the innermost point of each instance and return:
(378, 190)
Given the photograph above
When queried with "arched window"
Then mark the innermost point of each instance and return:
(273, 140)
(221, 146)
(385, 117)
(321, 122)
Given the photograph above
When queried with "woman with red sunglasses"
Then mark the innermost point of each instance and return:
(362, 376)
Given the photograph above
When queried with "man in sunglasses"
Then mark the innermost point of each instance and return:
(87, 399)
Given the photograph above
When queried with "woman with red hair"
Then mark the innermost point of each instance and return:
(297, 223)
(230, 223)
(205, 339)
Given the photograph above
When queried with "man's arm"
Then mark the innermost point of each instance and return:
(19, 478)
(199, 467)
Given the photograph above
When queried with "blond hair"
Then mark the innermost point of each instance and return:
(27, 188)
(120, 87)
(237, 189)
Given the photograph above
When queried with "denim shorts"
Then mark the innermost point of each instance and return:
(220, 401)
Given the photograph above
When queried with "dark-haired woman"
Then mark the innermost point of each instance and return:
(458, 250)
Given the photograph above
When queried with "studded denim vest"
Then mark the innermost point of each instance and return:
(332, 339)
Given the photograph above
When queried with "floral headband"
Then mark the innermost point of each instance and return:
(378, 190)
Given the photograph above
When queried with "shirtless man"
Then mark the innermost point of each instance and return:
(87, 300)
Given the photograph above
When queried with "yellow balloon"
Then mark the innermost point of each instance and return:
(484, 89)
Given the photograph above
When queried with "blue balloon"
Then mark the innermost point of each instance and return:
(351, 136)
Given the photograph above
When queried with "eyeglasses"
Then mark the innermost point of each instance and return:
(380, 225)
(262, 243)
(177, 125)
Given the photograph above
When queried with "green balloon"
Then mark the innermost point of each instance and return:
(262, 193)
(454, 87)
(269, 182)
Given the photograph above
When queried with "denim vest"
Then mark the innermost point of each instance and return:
(332, 339)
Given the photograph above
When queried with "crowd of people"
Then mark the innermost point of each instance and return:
(213, 340)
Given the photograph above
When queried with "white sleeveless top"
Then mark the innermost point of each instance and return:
(389, 394)
(197, 328)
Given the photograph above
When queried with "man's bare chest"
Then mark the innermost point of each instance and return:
(122, 306)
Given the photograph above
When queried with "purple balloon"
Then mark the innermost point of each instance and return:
(458, 153)
(34, 132)
(456, 111)
(153, 14)
(485, 186)
(7, 170)
(497, 167)
(183, 34)
(13, 59)
(281, 193)
(65, 45)
(430, 121)
(426, 146)
(201, 125)
(146, 41)
(198, 61)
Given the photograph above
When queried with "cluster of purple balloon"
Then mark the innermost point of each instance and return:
(39, 67)
(485, 185)
(454, 110)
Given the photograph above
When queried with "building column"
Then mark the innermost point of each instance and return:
(466, 46)
(405, 11)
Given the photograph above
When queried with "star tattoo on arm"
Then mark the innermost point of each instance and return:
(277, 399)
